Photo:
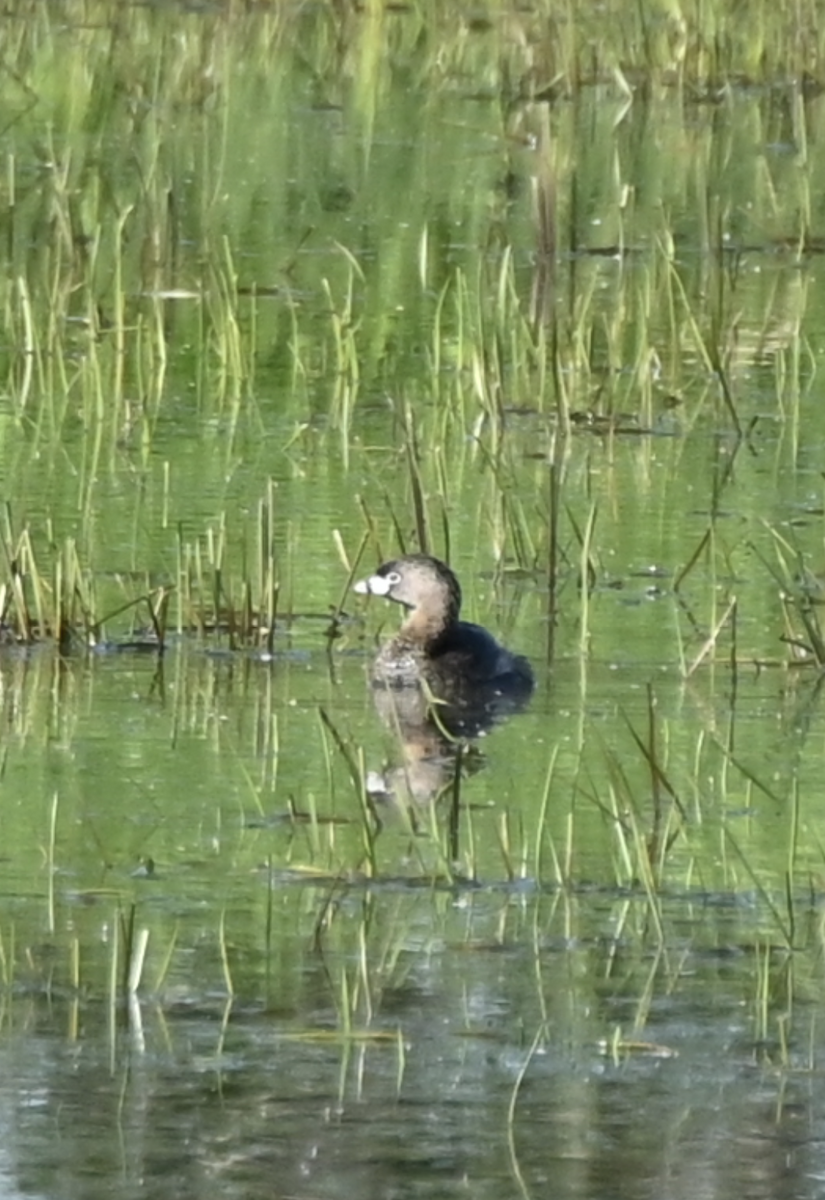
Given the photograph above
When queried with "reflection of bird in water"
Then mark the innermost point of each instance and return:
(439, 677)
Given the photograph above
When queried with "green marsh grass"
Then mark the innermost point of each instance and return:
(225, 956)
(162, 273)
(158, 223)
(799, 592)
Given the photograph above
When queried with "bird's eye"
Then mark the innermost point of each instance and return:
(393, 578)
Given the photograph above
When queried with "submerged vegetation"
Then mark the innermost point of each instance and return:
(288, 289)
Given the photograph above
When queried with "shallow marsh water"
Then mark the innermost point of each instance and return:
(604, 976)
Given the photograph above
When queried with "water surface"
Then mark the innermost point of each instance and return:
(266, 278)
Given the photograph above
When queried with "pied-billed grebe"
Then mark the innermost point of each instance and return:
(454, 657)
